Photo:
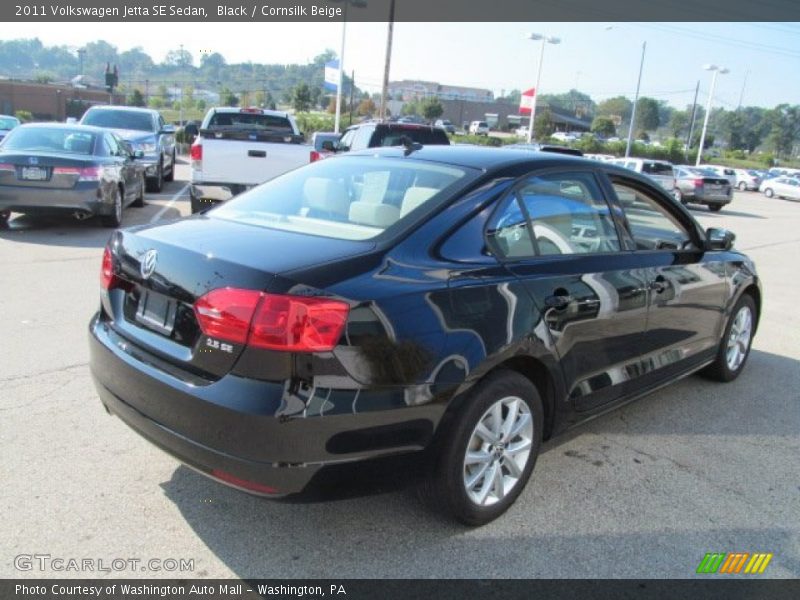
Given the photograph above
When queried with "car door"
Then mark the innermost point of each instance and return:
(122, 165)
(588, 287)
(687, 284)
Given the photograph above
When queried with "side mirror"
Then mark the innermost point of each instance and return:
(329, 146)
(167, 130)
(719, 239)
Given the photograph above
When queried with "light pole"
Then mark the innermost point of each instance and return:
(388, 61)
(358, 4)
(180, 117)
(632, 126)
(544, 39)
(716, 70)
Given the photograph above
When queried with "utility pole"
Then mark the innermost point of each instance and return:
(180, 117)
(744, 83)
(81, 52)
(352, 88)
(691, 125)
(387, 64)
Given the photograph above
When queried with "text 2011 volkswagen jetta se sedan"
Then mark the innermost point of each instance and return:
(456, 304)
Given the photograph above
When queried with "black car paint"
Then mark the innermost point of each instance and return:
(431, 314)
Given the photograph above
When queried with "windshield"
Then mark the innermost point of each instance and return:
(353, 198)
(119, 119)
(56, 140)
(8, 123)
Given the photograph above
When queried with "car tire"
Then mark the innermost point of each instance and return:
(115, 218)
(5, 215)
(742, 186)
(769, 193)
(155, 184)
(139, 201)
(678, 195)
(475, 477)
(715, 207)
(734, 347)
(171, 176)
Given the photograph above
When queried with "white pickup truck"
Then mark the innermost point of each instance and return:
(239, 148)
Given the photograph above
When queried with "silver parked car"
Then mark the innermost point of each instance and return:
(698, 185)
(782, 187)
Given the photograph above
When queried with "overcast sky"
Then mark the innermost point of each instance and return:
(764, 58)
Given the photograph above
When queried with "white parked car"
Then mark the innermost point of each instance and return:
(479, 128)
(747, 179)
(563, 136)
(660, 171)
(782, 187)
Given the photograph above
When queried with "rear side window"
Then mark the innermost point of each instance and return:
(247, 120)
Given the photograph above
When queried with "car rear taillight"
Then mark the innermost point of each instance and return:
(697, 182)
(83, 173)
(196, 154)
(314, 156)
(251, 110)
(108, 280)
(272, 321)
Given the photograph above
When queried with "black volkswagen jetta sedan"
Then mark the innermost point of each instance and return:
(454, 304)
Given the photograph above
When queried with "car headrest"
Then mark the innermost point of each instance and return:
(375, 215)
(414, 197)
(326, 195)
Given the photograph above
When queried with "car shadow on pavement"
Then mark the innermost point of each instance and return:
(363, 526)
(724, 213)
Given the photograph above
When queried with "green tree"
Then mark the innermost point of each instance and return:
(366, 108)
(679, 123)
(785, 131)
(136, 98)
(200, 104)
(179, 58)
(604, 126)
(156, 102)
(410, 108)
(432, 109)
(228, 98)
(543, 126)
(647, 117)
(618, 106)
(301, 98)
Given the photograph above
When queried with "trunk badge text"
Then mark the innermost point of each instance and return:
(148, 264)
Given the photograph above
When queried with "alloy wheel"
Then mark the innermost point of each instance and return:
(498, 451)
(739, 338)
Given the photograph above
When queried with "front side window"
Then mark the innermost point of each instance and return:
(353, 198)
(651, 226)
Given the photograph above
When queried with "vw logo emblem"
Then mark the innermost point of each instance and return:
(148, 264)
(32, 160)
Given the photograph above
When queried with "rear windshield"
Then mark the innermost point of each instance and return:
(248, 120)
(352, 198)
(119, 119)
(654, 168)
(42, 139)
(421, 135)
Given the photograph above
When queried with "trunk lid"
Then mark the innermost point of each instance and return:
(42, 170)
(166, 268)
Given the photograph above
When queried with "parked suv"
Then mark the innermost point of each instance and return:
(659, 171)
(479, 128)
(446, 125)
(147, 132)
(376, 134)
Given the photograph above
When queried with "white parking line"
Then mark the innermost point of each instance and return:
(169, 204)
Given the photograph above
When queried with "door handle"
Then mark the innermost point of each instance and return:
(257, 153)
(557, 301)
(659, 284)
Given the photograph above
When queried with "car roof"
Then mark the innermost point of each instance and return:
(247, 109)
(69, 126)
(477, 157)
(140, 109)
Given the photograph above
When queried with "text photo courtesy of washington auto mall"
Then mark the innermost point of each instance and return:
(359, 297)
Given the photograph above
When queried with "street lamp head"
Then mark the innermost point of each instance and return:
(535, 36)
(723, 71)
(547, 38)
(711, 67)
(553, 40)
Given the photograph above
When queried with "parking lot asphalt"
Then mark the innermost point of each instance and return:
(644, 491)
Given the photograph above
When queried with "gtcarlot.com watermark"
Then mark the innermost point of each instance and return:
(59, 564)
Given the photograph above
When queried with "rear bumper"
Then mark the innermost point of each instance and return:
(244, 430)
(217, 192)
(84, 199)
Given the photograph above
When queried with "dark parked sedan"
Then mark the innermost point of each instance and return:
(702, 186)
(453, 305)
(52, 168)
